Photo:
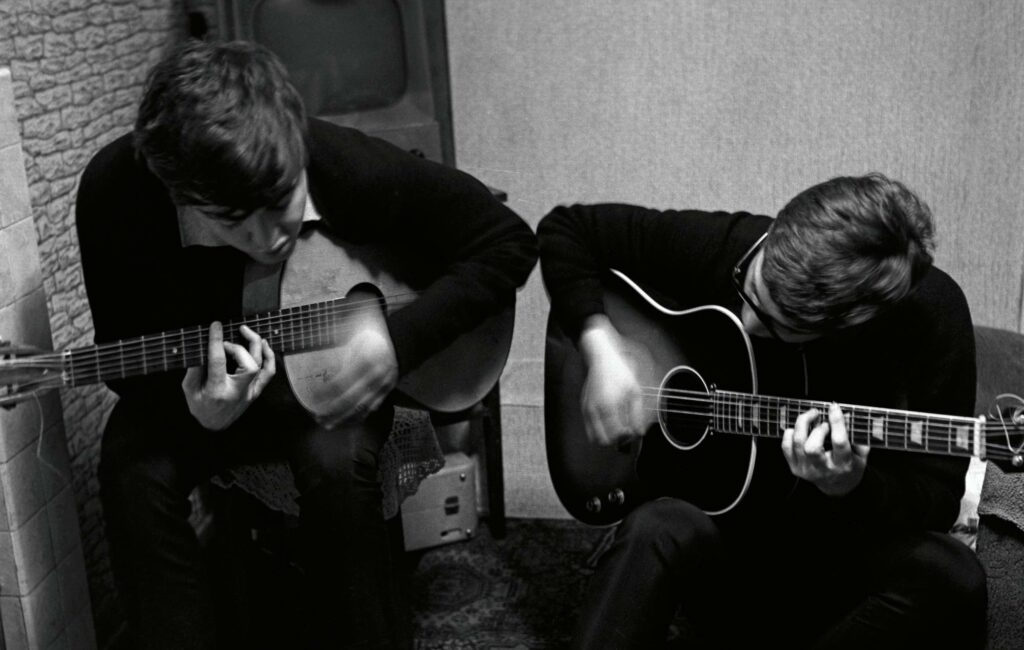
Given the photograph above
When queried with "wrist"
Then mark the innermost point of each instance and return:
(598, 340)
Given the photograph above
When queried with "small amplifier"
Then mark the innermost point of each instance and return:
(443, 509)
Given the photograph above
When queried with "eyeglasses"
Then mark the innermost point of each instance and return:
(738, 273)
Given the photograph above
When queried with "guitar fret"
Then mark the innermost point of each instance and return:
(142, 344)
(69, 368)
(310, 324)
(288, 332)
(896, 435)
(202, 353)
(319, 327)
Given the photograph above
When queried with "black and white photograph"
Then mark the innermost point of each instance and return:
(511, 324)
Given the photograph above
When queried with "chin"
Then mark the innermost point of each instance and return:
(270, 258)
(273, 257)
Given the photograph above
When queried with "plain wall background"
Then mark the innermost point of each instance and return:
(723, 104)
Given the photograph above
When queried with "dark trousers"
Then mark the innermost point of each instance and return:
(765, 587)
(354, 598)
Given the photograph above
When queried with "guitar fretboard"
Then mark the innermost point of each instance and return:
(294, 329)
(765, 416)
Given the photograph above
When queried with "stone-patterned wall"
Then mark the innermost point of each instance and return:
(77, 68)
(44, 594)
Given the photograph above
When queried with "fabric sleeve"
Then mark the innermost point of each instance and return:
(118, 281)
(684, 255)
(923, 491)
(475, 250)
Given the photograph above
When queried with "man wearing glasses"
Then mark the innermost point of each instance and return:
(830, 548)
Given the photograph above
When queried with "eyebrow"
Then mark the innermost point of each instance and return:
(225, 214)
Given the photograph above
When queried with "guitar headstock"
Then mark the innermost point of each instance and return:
(26, 371)
(1004, 432)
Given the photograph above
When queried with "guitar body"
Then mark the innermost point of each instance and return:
(322, 268)
(679, 455)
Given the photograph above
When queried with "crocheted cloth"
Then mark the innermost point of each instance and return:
(410, 454)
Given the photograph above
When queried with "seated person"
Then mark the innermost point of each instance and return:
(224, 167)
(832, 546)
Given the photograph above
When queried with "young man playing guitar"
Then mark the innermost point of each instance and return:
(224, 169)
(831, 547)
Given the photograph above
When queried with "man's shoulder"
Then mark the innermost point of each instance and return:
(939, 302)
(324, 134)
(113, 161)
(939, 286)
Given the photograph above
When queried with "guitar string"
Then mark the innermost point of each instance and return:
(990, 428)
(945, 446)
(765, 402)
(855, 430)
(195, 350)
(702, 398)
(196, 338)
(135, 365)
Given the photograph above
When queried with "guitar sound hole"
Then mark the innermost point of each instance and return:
(684, 408)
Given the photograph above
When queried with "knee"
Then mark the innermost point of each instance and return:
(671, 528)
(138, 483)
(338, 460)
(952, 572)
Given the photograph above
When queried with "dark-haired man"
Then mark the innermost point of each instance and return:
(832, 547)
(223, 167)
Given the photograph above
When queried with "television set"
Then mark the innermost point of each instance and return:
(380, 66)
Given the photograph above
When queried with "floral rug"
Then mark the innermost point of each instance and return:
(517, 593)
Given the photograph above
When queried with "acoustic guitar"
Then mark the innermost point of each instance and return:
(704, 415)
(308, 309)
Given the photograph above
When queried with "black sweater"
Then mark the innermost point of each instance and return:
(140, 280)
(918, 355)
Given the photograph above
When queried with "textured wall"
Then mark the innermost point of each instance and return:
(739, 105)
(77, 69)
(44, 592)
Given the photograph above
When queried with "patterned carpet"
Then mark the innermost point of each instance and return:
(517, 593)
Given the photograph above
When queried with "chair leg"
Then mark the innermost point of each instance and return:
(495, 469)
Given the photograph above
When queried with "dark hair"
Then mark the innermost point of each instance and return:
(220, 124)
(845, 249)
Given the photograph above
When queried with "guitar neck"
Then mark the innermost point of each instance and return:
(765, 416)
(295, 329)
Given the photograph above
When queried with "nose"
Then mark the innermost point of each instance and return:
(751, 323)
(267, 230)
